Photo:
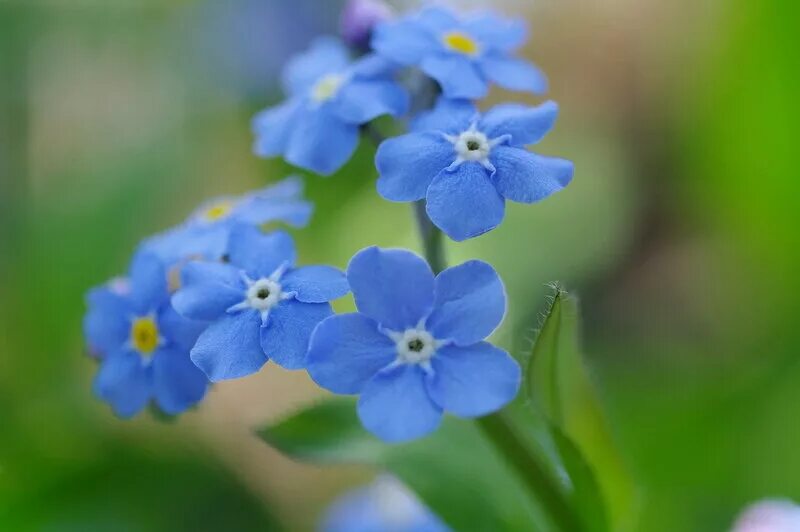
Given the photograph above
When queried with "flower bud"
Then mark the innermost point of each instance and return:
(358, 19)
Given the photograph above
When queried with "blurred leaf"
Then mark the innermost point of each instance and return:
(558, 385)
(456, 472)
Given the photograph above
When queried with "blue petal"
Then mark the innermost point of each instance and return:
(404, 41)
(457, 75)
(124, 382)
(177, 330)
(360, 101)
(514, 74)
(437, 19)
(392, 286)
(177, 383)
(498, 33)
(407, 164)
(526, 125)
(273, 127)
(464, 203)
(346, 351)
(395, 406)
(316, 284)
(207, 290)
(473, 381)
(450, 116)
(148, 279)
(470, 303)
(326, 55)
(321, 141)
(527, 177)
(106, 325)
(285, 337)
(230, 348)
(258, 211)
(260, 254)
(372, 66)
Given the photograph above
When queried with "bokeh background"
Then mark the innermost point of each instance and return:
(679, 234)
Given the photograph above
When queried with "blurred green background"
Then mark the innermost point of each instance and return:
(679, 233)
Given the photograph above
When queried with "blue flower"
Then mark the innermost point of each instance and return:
(466, 165)
(317, 128)
(415, 347)
(384, 505)
(260, 306)
(143, 343)
(463, 55)
(205, 233)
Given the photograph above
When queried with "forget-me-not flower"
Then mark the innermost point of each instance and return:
(205, 233)
(143, 343)
(260, 306)
(415, 348)
(466, 165)
(386, 505)
(317, 127)
(462, 54)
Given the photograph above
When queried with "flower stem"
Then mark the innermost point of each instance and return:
(542, 486)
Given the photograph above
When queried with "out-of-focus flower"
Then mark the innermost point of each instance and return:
(143, 342)
(260, 306)
(463, 54)
(358, 19)
(415, 347)
(205, 233)
(466, 165)
(317, 127)
(769, 516)
(386, 505)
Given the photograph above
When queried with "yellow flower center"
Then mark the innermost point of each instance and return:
(327, 87)
(461, 42)
(144, 334)
(215, 212)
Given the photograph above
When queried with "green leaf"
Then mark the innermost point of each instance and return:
(455, 471)
(559, 387)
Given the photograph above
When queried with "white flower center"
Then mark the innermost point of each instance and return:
(263, 294)
(327, 87)
(415, 346)
(474, 146)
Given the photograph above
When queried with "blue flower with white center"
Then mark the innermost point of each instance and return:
(143, 343)
(466, 165)
(462, 54)
(260, 306)
(205, 233)
(384, 505)
(317, 127)
(415, 348)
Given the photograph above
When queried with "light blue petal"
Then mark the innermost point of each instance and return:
(286, 189)
(258, 211)
(464, 203)
(178, 331)
(285, 337)
(230, 348)
(527, 177)
(346, 351)
(514, 74)
(273, 128)
(326, 55)
(106, 324)
(407, 164)
(496, 32)
(394, 405)
(392, 286)
(258, 253)
(124, 382)
(526, 125)
(437, 19)
(207, 290)
(403, 41)
(177, 383)
(360, 101)
(448, 116)
(374, 66)
(473, 381)
(321, 141)
(457, 75)
(470, 303)
(316, 284)
(148, 279)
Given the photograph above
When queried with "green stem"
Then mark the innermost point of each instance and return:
(542, 486)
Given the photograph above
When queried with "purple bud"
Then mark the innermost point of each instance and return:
(359, 17)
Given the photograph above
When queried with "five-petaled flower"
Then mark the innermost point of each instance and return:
(415, 348)
(205, 233)
(466, 165)
(260, 306)
(142, 343)
(463, 55)
(317, 128)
